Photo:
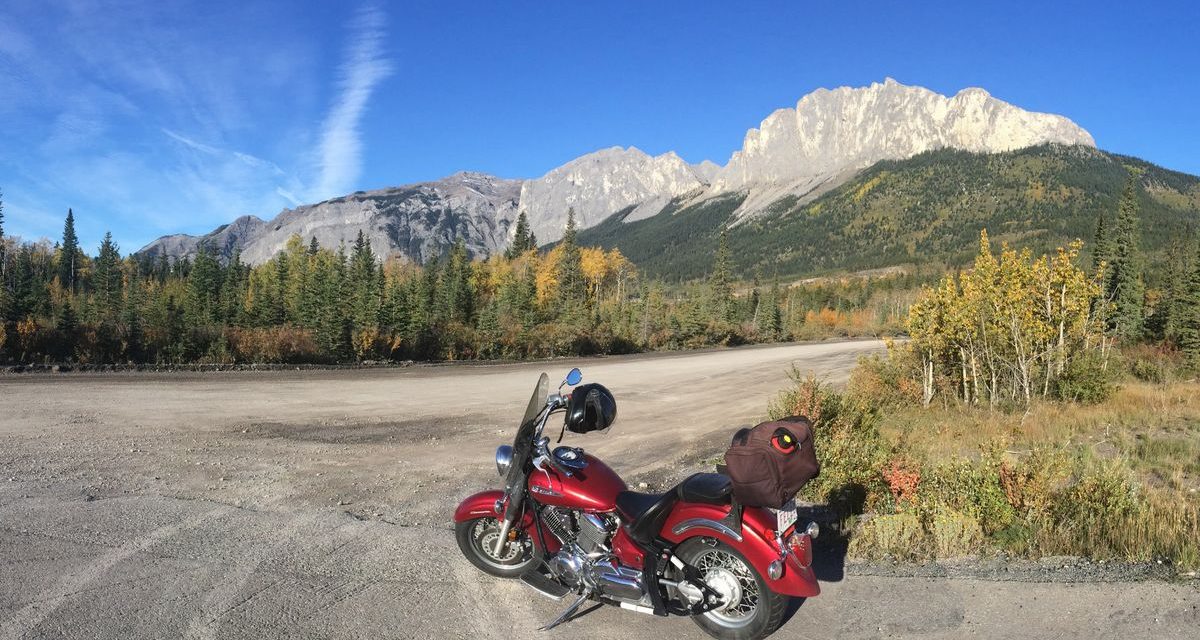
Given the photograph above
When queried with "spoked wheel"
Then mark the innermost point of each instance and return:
(749, 610)
(477, 540)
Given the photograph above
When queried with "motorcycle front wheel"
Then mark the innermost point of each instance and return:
(751, 611)
(477, 541)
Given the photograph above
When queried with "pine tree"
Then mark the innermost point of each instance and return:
(204, 287)
(523, 239)
(107, 280)
(1125, 286)
(68, 331)
(69, 254)
(456, 295)
(1189, 315)
(719, 284)
(313, 246)
(1102, 247)
(365, 295)
(3, 252)
(572, 287)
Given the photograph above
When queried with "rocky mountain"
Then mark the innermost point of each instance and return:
(927, 209)
(419, 221)
(793, 157)
(601, 183)
(831, 135)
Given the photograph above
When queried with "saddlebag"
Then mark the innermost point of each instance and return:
(769, 463)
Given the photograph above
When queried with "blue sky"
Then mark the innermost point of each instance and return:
(153, 118)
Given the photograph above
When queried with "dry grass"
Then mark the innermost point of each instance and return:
(1118, 479)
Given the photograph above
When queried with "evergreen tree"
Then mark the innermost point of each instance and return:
(456, 295)
(523, 239)
(365, 295)
(3, 253)
(69, 255)
(107, 279)
(68, 331)
(1125, 286)
(1102, 246)
(720, 286)
(131, 318)
(233, 290)
(572, 287)
(204, 287)
(25, 298)
(1189, 315)
(313, 246)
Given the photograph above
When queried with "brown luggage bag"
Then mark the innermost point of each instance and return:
(770, 462)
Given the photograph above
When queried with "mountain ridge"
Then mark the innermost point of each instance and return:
(798, 153)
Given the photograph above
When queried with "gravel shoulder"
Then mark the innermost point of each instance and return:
(317, 504)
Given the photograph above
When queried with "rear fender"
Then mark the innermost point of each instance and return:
(756, 541)
(483, 505)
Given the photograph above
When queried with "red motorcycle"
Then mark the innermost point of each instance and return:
(565, 523)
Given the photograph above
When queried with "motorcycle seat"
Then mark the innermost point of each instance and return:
(645, 513)
(706, 488)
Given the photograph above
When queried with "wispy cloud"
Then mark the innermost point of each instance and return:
(363, 67)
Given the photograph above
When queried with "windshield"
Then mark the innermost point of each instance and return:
(523, 443)
(540, 392)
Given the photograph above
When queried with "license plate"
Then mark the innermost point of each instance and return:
(786, 516)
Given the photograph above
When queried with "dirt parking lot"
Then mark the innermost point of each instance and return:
(317, 504)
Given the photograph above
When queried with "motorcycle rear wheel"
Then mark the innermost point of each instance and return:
(477, 541)
(755, 613)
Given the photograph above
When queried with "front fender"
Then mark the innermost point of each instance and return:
(483, 505)
(756, 541)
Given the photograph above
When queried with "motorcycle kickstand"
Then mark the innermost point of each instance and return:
(568, 613)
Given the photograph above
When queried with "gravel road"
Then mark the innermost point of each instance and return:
(317, 504)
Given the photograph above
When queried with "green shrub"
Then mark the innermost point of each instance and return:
(1087, 379)
(899, 535)
(954, 534)
(849, 446)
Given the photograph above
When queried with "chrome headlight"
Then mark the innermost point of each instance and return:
(503, 459)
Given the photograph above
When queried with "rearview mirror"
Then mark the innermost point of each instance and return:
(574, 377)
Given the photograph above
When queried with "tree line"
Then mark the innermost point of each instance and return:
(315, 304)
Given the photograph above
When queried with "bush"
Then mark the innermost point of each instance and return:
(285, 343)
(849, 446)
(887, 381)
(1087, 379)
(899, 535)
(954, 534)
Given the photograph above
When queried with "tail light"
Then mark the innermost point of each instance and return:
(801, 546)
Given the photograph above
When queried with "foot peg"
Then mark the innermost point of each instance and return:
(566, 615)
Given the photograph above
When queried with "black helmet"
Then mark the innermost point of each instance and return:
(591, 408)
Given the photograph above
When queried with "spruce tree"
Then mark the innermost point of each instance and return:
(1189, 315)
(69, 254)
(364, 285)
(720, 287)
(1125, 285)
(107, 280)
(523, 239)
(572, 288)
(3, 251)
(1102, 248)
(204, 287)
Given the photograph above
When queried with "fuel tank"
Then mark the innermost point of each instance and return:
(592, 488)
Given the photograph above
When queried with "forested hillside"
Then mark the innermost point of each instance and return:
(926, 209)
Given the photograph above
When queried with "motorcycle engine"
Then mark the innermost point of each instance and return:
(591, 532)
(586, 558)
